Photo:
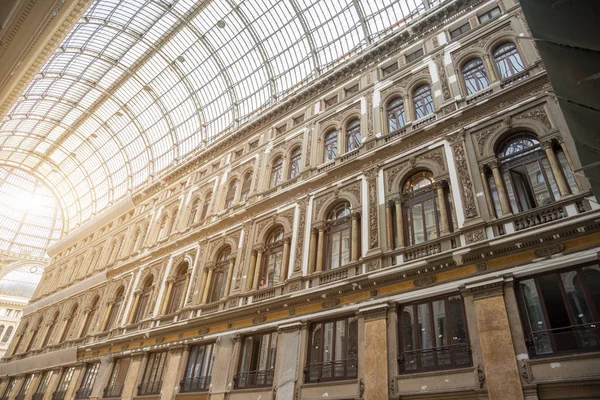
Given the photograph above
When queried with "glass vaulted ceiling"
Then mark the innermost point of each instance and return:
(139, 84)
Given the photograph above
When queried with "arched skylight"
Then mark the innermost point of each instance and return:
(139, 84)
(21, 282)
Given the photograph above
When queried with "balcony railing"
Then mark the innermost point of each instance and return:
(20, 397)
(59, 395)
(197, 384)
(564, 340)
(38, 396)
(538, 217)
(113, 391)
(252, 379)
(146, 388)
(331, 371)
(83, 393)
(435, 358)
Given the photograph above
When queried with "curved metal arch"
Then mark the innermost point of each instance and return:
(261, 49)
(18, 264)
(309, 38)
(363, 22)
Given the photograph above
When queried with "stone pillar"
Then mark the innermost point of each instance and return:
(134, 375)
(375, 353)
(75, 382)
(185, 289)
(224, 366)
(563, 187)
(203, 280)
(107, 311)
(167, 296)
(52, 383)
(441, 197)
(251, 268)
(286, 258)
(136, 300)
(35, 381)
(563, 146)
(229, 276)
(106, 367)
(207, 285)
(487, 192)
(354, 254)
(312, 251)
(320, 246)
(172, 373)
(490, 68)
(288, 353)
(399, 227)
(388, 225)
(504, 204)
(501, 372)
(408, 109)
(257, 267)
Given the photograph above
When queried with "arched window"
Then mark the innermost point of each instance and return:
(140, 311)
(8, 335)
(353, 135)
(246, 186)
(330, 146)
(230, 198)
(144, 232)
(526, 173)
(89, 318)
(205, 206)
(162, 230)
(423, 101)
(172, 223)
(111, 320)
(276, 171)
(178, 290)
(295, 162)
(396, 114)
(422, 209)
(273, 258)
(134, 241)
(68, 324)
(508, 60)
(193, 211)
(474, 76)
(219, 279)
(113, 252)
(51, 325)
(338, 239)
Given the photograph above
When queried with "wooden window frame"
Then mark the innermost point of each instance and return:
(255, 373)
(190, 383)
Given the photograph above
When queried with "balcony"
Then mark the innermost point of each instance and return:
(197, 384)
(38, 396)
(113, 391)
(149, 388)
(83, 393)
(60, 395)
(254, 379)
(331, 371)
(436, 358)
(564, 340)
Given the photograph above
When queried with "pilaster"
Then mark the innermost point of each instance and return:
(375, 354)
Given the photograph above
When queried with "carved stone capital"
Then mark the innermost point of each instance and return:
(355, 215)
(546, 144)
(493, 164)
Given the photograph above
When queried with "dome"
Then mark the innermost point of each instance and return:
(31, 217)
(21, 282)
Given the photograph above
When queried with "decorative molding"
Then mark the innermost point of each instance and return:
(370, 123)
(303, 204)
(480, 377)
(475, 236)
(424, 281)
(547, 251)
(466, 186)
(330, 303)
(371, 175)
(259, 320)
(439, 63)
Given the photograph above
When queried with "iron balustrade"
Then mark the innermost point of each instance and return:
(38, 396)
(435, 358)
(331, 370)
(252, 379)
(567, 339)
(83, 393)
(197, 384)
(145, 388)
(20, 397)
(59, 395)
(113, 391)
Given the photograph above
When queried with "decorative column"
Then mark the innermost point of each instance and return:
(107, 311)
(490, 68)
(399, 227)
(167, 296)
(257, 267)
(389, 229)
(203, 280)
(136, 300)
(408, 110)
(563, 146)
(251, 268)
(443, 209)
(354, 256)
(504, 204)
(320, 245)
(229, 276)
(563, 187)
(312, 251)
(83, 321)
(286, 258)
(188, 275)
(207, 283)
(487, 191)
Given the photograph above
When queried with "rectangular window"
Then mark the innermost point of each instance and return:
(389, 69)
(199, 369)
(333, 353)
(257, 361)
(299, 119)
(153, 375)
(9, 388)
(117, 378)
(281, 129)
(63, 384)
(560, 311)
(331, 101)
(433, 335)
(414, 55)
(351, 90)
(460, 30)
(486, 16)
(24, 387)
(43, 386)
(238, 154)
(85, 390)
(254, 145)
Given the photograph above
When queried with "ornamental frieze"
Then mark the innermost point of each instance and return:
(371, 176)
(464, 178)
(439, 63)
(341, 115)
(303, 204)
